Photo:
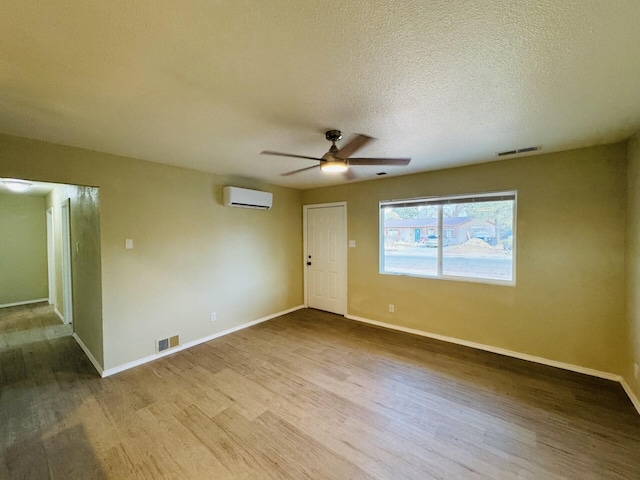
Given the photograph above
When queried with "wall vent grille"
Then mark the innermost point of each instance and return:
(519, 150)
(167, 343)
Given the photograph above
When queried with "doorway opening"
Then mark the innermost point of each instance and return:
(38, 262)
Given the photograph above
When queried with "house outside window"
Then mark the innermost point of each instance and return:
(469, 237)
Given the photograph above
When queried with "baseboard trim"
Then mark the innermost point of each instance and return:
(489, 348)
(509, 353)
(630, 394)
(28, 302)
(193, 343)
(60, 316)
(88, 353)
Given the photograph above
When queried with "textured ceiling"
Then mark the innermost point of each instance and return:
(209, 84)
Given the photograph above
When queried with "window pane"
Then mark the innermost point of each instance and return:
(480, 245)
(408, 234)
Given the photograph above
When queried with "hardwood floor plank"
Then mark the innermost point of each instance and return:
(236, 458)
(249, 398)
(193, 458)
(26, 460)
(308, 395)
(70, 455)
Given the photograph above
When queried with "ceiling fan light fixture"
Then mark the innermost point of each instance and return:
(333, 166)
(340, 160)
(16, 185)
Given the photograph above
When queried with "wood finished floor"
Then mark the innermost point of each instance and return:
(27, 323)
(310, 395)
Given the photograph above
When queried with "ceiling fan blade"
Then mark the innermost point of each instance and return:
(356, 143)
(298, 171)
(379, 161)
(349, 175)
(280, 154)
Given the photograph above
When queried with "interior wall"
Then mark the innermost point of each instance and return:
(86, 266)
(192, 256)
(633, 262)
(23, 248)
(568, 301)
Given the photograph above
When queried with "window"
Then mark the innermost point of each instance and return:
(470, 237)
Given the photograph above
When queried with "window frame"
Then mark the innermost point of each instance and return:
(439, 201)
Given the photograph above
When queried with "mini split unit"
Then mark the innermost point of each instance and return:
(245, 198)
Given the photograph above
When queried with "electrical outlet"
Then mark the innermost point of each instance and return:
(214, 316)
(392, 308)
(635, 370)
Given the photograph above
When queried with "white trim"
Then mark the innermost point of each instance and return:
(630, 393)
(28, 302)
(88, 353)
(60, 316)
(67, 259)
(510, 353)
(51, 267)
(193, 343)
(489, 348)
(305, 208)
(434, 199)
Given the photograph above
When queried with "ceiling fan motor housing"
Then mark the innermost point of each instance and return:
(333, 135)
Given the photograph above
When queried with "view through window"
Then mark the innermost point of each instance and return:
(464, 237)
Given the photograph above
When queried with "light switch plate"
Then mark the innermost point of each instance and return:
(352, 243)
(128, 243)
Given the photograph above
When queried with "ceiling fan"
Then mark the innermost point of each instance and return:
(339, 160)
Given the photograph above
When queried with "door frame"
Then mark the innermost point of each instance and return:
(305, 209)
(51, 265)
(67, 278)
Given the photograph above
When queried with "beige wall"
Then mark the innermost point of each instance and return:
(192, 255)
(23, 248)
(86, 266)
(633, 261)
(568, 303)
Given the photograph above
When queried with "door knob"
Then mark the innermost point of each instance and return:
(308, 263)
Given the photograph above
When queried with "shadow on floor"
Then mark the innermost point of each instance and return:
(24, 324)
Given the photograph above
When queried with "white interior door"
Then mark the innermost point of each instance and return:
(67, 298)
(326, 255)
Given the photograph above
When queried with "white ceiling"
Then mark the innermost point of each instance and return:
(209, 84)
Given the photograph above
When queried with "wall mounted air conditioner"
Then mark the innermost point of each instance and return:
(245, 198)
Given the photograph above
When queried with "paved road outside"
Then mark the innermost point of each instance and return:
(422, 261)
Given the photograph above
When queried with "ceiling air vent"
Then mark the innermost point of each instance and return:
(520, 150)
